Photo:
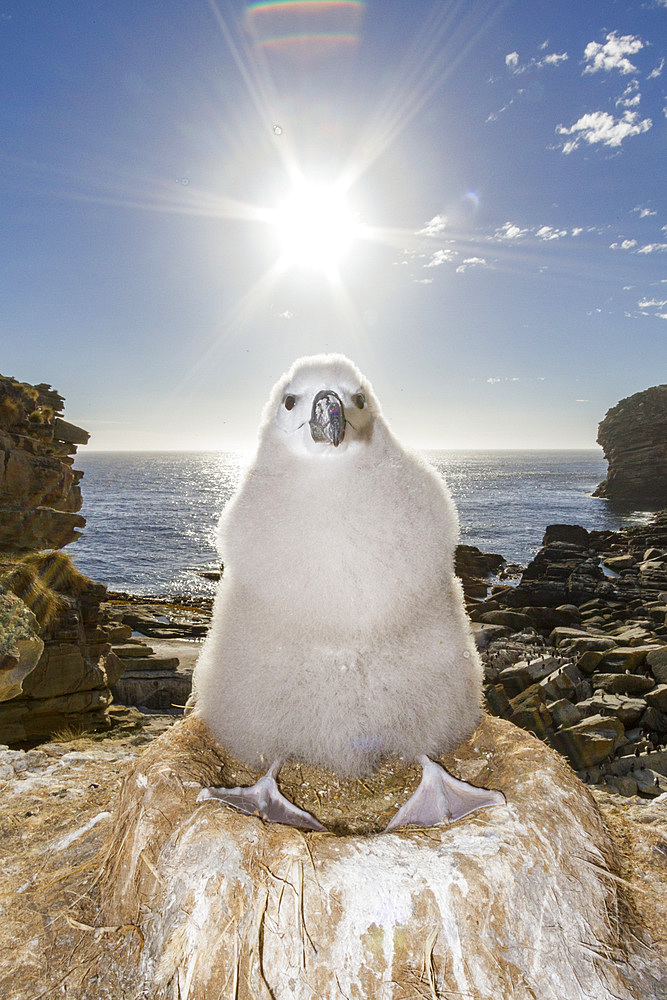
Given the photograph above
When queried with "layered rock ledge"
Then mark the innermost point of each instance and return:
(56, 663)
(633, 436)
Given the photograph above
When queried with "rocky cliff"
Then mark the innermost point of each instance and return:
(633, 435)
(56, 665)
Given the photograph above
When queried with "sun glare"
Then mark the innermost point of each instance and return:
(315, 226)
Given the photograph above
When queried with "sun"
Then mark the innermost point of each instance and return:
(315, 226)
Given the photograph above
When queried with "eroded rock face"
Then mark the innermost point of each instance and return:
(514, 902)
(633, 435)
(53, 674)
(39, 489)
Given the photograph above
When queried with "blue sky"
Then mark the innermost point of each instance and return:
(503, 164)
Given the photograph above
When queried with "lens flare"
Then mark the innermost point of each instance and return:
(304, 28)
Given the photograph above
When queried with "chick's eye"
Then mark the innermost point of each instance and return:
(289, 402)
(359, 400)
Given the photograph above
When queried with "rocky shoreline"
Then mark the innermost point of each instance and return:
(574, 648)
(577, 652)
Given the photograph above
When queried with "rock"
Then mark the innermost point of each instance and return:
(131, 650)
(529, 711)
(484, 634)
(497, 701)
(583, 749)
(512, 619)
(63, 669)
(558, 685)
(564, 713)
(654, 721)
(624, 658)
(64, 431)
(657, 698)
(535, 593)
(219, 898)
(657, 661)
(627, 710)
(633, 435)
(572, 534)
(625, 785)
(114, 667)
(589, 660)
(20, 645)
(27, 719)
(650, 784)
(153, 688)
(617, 563)
(474, 567)
(622, 683)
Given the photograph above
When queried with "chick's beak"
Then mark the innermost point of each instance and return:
(327, 418)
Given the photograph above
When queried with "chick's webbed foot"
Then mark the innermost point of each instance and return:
(264, 799)
(440, 798)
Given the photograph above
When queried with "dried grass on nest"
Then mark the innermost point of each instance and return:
(41, 579)
(187, 756)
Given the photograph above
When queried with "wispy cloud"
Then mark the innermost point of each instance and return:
(441, 257)
(601, 127)
(510, 231)
(643, 212)
(657, 70)
(653, 307)
(652, 248)
(612, 54)
(437, 225)
(549, 233)
(471, 262)
(516, 67)
(630, 97)
(624, 245)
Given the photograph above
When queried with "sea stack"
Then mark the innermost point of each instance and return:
(633, 436)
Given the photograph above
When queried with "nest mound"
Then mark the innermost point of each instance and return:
(518, 901)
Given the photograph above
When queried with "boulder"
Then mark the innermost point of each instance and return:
(622, 683)
(508, 902)
(20, 645)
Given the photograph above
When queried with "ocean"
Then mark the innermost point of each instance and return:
(151, 516)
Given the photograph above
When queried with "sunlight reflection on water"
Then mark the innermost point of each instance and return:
(151, 516)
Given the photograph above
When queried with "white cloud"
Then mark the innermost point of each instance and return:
(612, 54)
(553, 59)
(436, 226)
(601, 127)
(643, 212)
(630, 97)
(549, 233)
(516, 68)
(441, 257)
(493, 381)
(423, 281)
(471, 262)
(625, 245)
(657, 71)
(652, 303)
(286, 315)
(508, 231)
(652, 248)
